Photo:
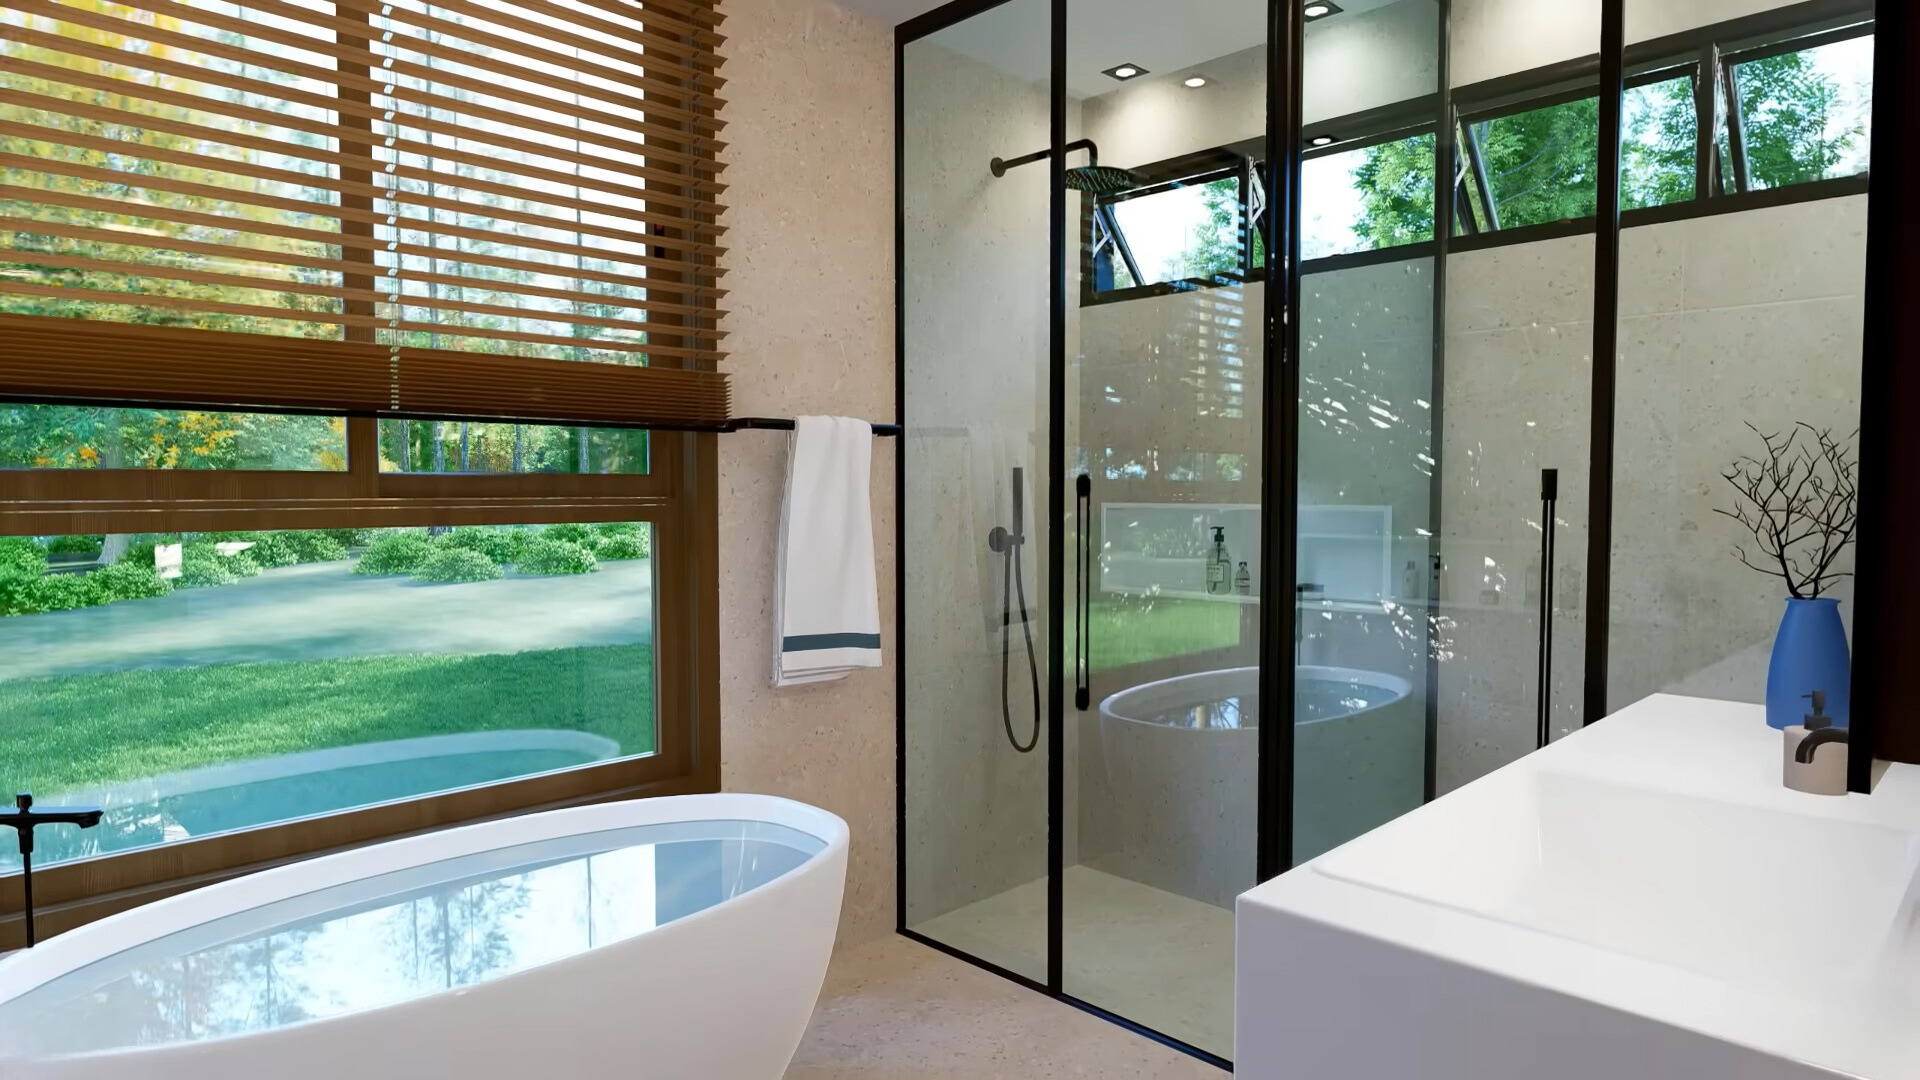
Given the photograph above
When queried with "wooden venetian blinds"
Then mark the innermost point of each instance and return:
(445, 208)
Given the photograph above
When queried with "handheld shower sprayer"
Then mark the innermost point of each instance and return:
(1007, 543)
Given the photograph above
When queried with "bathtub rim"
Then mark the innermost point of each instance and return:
(28, 969)
(1326, 673)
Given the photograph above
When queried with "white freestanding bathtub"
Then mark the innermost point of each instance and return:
(1182, 757)
(666, 938)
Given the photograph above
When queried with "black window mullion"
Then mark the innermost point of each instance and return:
(1477, 168)
(1736, 127)
(1706, 109)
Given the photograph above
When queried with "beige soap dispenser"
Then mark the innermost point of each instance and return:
(1814, 753)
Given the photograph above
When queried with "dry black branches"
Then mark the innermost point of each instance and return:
(1799, 502)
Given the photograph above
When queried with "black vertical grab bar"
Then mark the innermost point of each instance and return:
(1549, 501)
(1083, 594)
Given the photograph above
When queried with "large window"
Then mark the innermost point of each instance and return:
(1789, 112)
(351, 357)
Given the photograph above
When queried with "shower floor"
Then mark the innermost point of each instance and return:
(1151, 956)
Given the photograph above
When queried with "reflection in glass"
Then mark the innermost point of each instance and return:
(1361, 200)
(395, 937)
(196, 683)
(1189, 231)
(102, 437)
(446, 446)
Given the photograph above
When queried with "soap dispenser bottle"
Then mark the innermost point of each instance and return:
(1813, 755)
(1220, 564)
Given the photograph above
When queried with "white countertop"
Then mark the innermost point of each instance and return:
(1863, 1023)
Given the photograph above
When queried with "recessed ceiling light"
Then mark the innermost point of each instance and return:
(1123, 72)
(1320, 9)
(1322, 140)
(1195, 82)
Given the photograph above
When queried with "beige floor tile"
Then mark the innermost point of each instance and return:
(1158, 959)
(897, 1010)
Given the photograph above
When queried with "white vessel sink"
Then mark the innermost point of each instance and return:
(1642, 899)
(1702, 884)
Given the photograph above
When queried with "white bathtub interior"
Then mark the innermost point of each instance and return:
(398, 936)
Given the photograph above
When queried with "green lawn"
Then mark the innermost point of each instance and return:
(80, 730)
(1134, 629)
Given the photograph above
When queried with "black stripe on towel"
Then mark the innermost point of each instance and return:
(816, 642)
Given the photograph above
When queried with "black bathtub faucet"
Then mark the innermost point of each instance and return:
(24, 819)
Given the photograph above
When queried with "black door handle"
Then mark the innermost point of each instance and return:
(1083, 595)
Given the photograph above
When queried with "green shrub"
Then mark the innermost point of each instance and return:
(140, 551)
(126, 581)
(202, 567)
(317, 546)
(64, 592)
(499, 545)
(24, 595)
(76, 545)
(269, 549)
(619, 528)
(545, 556)
(623, 546)
(571, 532)
(21, 556)
(346, 538)
(394, 553)
(19, 594)
(451, 564)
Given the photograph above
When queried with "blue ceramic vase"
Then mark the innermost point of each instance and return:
(1809, 653)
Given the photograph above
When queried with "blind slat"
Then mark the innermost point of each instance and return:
(356, 162)
(244, 167)
(263, 90)
(250, 197)
(372, 245)
(242, 254)
(362, 208)
(437, 302)
(43, 359)
(302, 315)
(513, 64)
(345, 132)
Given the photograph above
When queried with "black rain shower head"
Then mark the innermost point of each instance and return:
(1093, 177)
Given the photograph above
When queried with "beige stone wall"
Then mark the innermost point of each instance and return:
(1742, 318)
(810, 169)
(976, 362)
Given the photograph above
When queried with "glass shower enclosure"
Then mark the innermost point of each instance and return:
(1138, 499)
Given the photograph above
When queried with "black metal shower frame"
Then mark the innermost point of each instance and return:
(1280, 350)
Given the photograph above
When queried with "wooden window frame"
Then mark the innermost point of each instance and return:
(678, 496)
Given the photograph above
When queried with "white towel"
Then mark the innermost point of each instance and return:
(827, 603)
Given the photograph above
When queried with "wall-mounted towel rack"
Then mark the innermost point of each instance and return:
(772, 423)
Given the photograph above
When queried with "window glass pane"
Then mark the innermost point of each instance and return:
(1361, 200)
(427, 446)
(1541, 163)
(97, 437)
(1659, 127)
(272, 256)
(204, 682)
(1184, 232)
(1807, 115)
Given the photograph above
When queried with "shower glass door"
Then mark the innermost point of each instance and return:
(1368, 377)
(974, 380)
(1163, 315)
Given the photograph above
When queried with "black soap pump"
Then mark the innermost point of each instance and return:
(1220, 565)
(1808, 761)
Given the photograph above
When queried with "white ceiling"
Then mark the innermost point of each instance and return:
(1163, 36)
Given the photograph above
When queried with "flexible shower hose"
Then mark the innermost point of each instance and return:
(1009, 582)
